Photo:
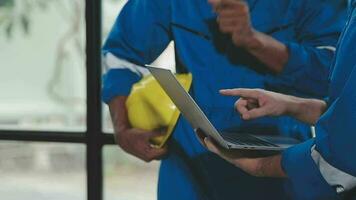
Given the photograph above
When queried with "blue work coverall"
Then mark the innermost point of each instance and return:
(324, 168)
(310, 30)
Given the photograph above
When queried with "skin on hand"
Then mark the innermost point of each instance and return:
(136, 142)
(234, 19)
(249, 162)
(256, 103)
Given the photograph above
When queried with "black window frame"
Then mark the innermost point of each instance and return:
(94, 138)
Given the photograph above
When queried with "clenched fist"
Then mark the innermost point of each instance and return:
(234, 19)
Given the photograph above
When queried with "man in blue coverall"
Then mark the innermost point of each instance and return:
(323, 168)
(281, 45)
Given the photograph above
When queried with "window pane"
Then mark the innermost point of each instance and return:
(42, 171)
(126, 177)
(42, 65)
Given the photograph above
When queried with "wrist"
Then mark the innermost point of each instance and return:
(271, 167)
(119, 115)
(255, 41)
(294, 106)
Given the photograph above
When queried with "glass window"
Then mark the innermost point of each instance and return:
(42, 171)
(126, 177)
(42, 65)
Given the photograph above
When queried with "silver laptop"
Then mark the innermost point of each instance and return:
(198, 120)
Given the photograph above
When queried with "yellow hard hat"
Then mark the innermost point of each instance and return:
(150, 108)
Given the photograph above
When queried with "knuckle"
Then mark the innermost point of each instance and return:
(259, 93)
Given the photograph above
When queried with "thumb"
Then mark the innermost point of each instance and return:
(215, 149)
(209, 144)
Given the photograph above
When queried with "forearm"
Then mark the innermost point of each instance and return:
(305, 110)
(118, 113)
(269, 51)
(272, 167)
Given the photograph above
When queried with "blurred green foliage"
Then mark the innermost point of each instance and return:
(16, 14)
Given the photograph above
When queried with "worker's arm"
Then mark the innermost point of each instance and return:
(134, 141)
(298, 66)
(256, 103)
(271, 52)
(125, 52)
(319, 168)
(331, 170)
(234, 19)
(139, 35)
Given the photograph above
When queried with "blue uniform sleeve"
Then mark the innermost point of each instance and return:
(139, 35)
(335, 142)
(304, 178)
(318, 27)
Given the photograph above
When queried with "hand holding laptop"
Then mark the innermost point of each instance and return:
(269, 166)
(198, 120)
(254, 163)
(255, 103)
(234, 147)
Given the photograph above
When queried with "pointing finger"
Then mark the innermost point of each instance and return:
(246, 93)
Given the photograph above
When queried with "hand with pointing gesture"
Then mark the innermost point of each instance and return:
(255, 103)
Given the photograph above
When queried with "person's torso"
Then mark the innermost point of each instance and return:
(345, 57)
(216, 64)
(335, 135)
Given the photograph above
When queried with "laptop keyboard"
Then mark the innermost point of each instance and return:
(246, 139)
